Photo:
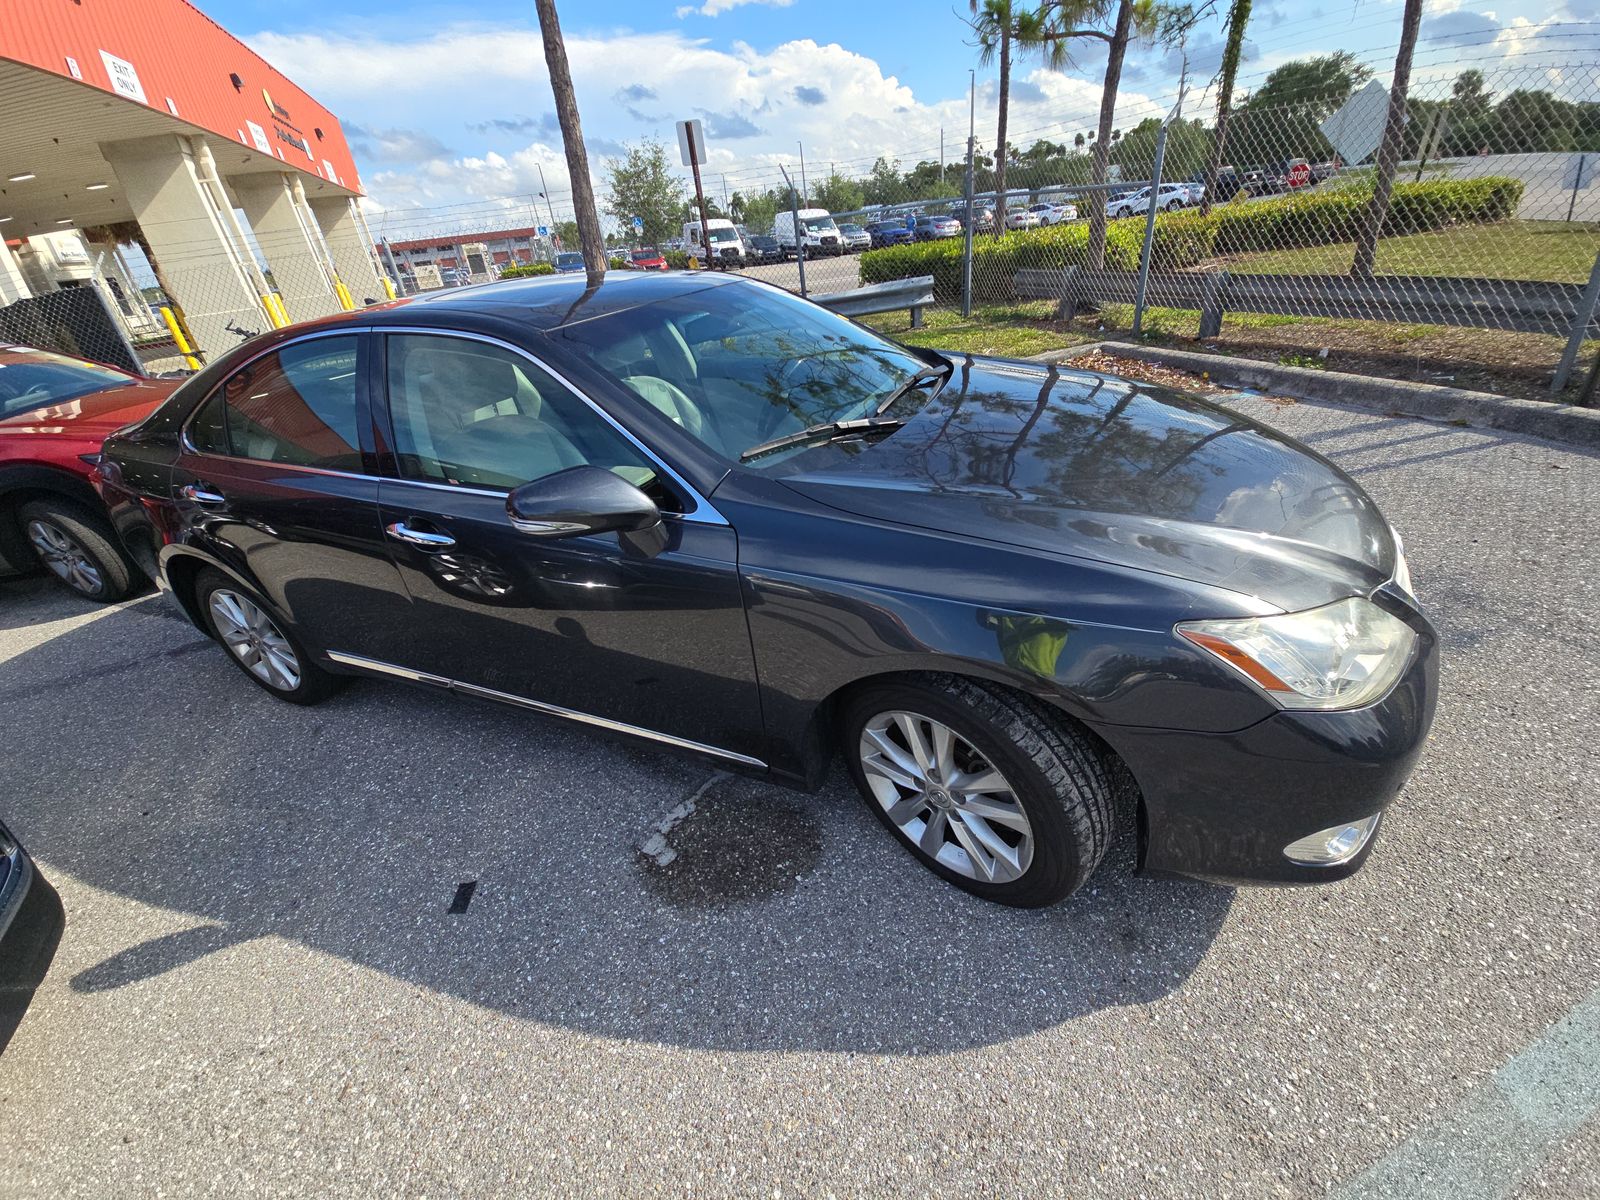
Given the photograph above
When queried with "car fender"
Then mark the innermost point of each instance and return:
(20, 480)
(179, 562)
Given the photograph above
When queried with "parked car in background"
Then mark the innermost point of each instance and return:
(764, 248)
(1022, 218)
(721, 244)
(1054, 214)
(890, 233)
(1170, 198)
(814, 234)
(648, 259)
(55, 411)
(932, 228)
(855, 237)
(983, 219)
(569, 262)
(705, 513)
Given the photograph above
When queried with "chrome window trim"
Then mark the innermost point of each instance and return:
(705, 513)
(378, 667)
(186, 443)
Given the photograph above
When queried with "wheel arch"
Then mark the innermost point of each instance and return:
(23, 483)
(822, 738)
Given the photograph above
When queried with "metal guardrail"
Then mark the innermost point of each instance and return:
(914, 294)
(1524, 306)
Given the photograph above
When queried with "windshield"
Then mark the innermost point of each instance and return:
(34, 378)
(644, 255)
(569, 260)
(819, 225)
(718, 236)
(750, 363)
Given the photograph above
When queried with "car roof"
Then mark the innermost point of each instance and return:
(542, 302)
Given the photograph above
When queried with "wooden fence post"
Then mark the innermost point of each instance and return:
(1211, 305)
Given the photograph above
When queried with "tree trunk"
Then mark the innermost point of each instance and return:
(1102, 142)
(590, 240)
(1238, 18)
(1000, 131)
(1394, 132)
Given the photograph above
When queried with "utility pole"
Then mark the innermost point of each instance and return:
(799, 241)
(804, 191)
(941, 153)
(551, 208)
(972, 142)
(1155, 195)
(699, 194)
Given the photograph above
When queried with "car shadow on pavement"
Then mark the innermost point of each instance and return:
(532, 868)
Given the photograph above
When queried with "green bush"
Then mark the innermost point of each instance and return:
(523, 272)
(676, 259)
(1184, 239)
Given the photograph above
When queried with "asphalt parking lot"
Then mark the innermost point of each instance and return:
(262, 988)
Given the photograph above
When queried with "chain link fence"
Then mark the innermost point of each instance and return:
(1483, 274)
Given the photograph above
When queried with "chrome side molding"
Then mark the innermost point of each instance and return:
(373, 666)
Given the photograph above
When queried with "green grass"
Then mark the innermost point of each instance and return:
(1549, 250)
(1011, 331)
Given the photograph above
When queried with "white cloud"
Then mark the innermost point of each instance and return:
(712, 8)
(479, 87)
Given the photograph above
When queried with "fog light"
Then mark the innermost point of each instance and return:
(1332, 846)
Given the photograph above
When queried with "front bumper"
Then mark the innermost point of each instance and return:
(1224, 806)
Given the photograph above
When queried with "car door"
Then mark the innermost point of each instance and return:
(647, 633)
(272, 481)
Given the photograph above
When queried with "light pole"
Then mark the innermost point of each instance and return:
(550, 208)
(804, 191)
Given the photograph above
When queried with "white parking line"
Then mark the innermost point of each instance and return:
(1501, 1130)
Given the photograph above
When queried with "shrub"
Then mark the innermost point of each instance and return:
(1186, 238)
(524, 271)
(676, 259)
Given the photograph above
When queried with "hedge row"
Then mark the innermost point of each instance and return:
(1186, 238)
(519, 272)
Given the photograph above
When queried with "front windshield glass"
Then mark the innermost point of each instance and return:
(569, 260)
(740, 364)
(819, 225)
(643, 255)
(36, 378)
(718, 236)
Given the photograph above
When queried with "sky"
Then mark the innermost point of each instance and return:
(449, 112)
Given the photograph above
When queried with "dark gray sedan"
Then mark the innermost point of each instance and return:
(1022, 603)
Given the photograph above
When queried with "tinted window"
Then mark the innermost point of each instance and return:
(477, 415)
(296, 405)
(35, 378)
(743, 363)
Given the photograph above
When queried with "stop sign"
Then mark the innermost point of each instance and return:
(1299, 175)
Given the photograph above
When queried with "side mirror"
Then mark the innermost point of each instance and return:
(581, 500)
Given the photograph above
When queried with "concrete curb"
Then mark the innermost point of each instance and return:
(1536, 418)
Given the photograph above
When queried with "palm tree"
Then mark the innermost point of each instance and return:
(1063, 21)
(1394, 132)
(1000, 25)
(1238, 18)
(590, 240)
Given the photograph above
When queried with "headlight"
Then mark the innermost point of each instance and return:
(1342, 655)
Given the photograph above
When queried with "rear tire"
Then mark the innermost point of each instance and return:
(274, 659)
(78, 549)
(1021, 809)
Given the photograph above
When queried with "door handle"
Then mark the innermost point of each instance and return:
(201, 493)
(423, 538)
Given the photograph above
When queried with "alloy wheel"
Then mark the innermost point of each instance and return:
(254, 640)
(65, 559)
(946, 797)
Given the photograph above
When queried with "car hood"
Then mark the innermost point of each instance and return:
(1094, 467)
(95, 415)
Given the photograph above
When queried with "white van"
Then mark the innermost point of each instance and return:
(725, 243)
(818, 233)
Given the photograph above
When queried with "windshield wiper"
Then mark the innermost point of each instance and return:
(941, 371)
(827, 431)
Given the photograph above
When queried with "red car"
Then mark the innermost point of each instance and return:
(648, 260)
(55, 412)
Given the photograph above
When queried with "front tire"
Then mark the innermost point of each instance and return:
(986, 787)
(274, 659)
(78, 548)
